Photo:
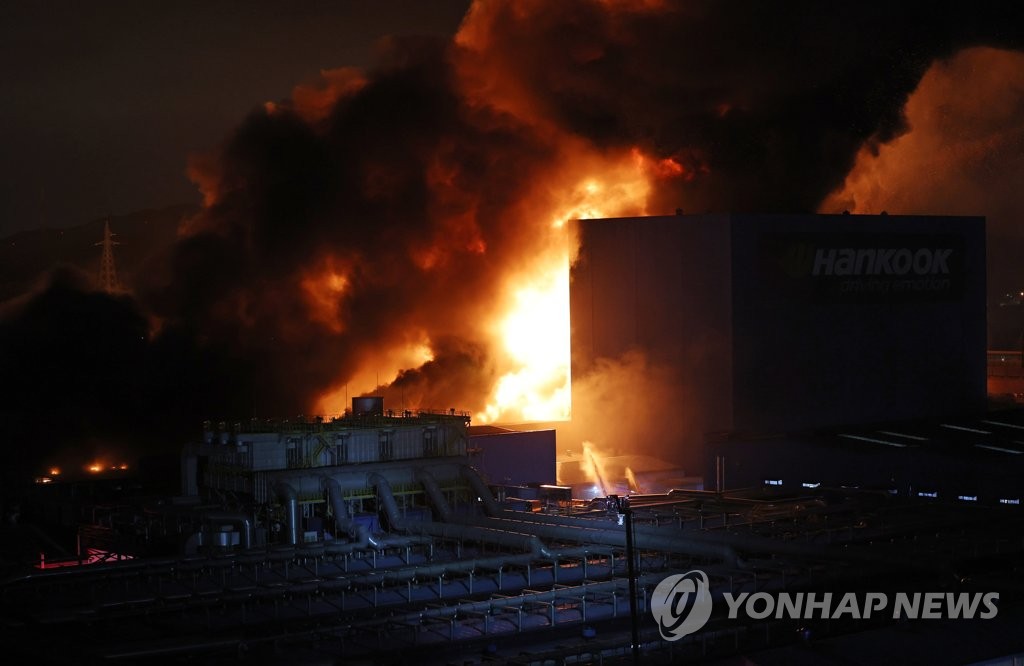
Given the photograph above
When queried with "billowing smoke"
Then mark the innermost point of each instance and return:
(371, 237)
(764, 106)
(375, 230)
(963, 155)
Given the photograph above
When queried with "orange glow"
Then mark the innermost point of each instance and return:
(532, 330)
(54, 471)
(535, 335)
(413, 354)
(323, 291)
(529, 321)
(315, 103)
(961, 155)
(97, 466)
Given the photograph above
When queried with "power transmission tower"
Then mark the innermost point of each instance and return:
(108, 271)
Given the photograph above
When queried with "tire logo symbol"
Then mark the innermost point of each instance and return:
(681, 604)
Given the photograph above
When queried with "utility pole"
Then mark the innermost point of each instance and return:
(626, 517)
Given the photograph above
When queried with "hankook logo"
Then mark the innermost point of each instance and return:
(882, 261)
(861, 267)
(681, 604)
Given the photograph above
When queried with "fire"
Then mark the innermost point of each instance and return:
(533, 331)
(528, 324)
(97, 466)
(535, 334)
(414, 353)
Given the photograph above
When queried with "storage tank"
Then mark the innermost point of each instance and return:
(368, 406)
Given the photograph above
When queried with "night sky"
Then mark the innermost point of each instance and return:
(104, 101)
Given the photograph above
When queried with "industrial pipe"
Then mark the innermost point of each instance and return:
(290, 499)
(500, 537)
(609, 536)
(480, 488)
(434, 494)
(238, 519)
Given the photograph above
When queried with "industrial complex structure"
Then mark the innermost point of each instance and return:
(839, 366)
(790, 322)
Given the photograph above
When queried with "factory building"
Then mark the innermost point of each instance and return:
(413, 538)
(790, 322)
(835, 350)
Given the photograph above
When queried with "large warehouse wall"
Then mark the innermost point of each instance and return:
(659, 285)
(764, 332)
(856, 319)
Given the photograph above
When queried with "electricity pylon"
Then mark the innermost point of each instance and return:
(108, 270)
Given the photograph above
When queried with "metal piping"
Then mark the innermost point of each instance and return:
(342, 518)
(501, 537)
(360, 534)
(615, 537)
(480, 488)
(242, 521)
(696, 542)
(290, 499)
(434, 494)
(516, 601)
(387, 499)
(409, 619)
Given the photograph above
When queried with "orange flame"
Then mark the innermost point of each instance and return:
(533, 328)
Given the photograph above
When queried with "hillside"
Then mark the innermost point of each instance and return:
(144, 236)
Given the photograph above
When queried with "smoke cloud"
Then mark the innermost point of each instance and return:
(764, 107)
(962, 155)
(372, 229)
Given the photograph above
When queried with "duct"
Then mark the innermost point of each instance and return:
(504, 538)
(387, 499)
(241, 521)
(602, 519)
(434, 494)
(341, 514)
(309, 483)
(286, 493)
(610, 536)
(702, 543)
(360, 534)
(480, 488)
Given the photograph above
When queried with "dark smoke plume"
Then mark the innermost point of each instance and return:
(400, 197)
(764, 104)
(409, 182)
(383, 210)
